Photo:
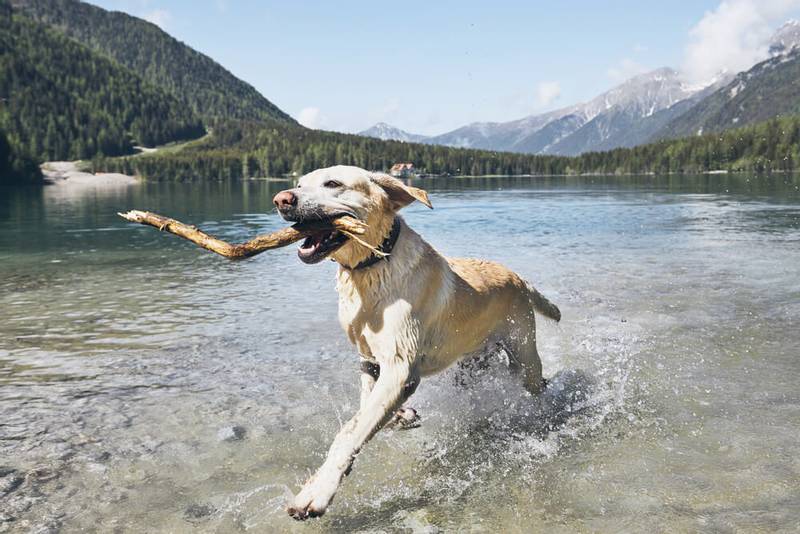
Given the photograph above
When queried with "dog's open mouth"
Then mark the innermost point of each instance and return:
(316, 247)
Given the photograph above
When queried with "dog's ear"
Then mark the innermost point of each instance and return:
(400, 194)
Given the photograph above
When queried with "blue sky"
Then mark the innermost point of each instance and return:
(429, 67)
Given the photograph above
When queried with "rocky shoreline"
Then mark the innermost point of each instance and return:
(69, 173)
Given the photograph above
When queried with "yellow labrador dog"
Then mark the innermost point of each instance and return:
(411, 313)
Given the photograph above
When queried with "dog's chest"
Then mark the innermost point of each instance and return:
(354, 318)
(371, 321)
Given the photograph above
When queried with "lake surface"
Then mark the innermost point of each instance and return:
(127, 357)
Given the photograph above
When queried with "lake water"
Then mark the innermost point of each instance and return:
(128, 356)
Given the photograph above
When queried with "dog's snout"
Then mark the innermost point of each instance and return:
(285, 199)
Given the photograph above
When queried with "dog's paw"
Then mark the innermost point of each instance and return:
(312, 501)
(405, 418)
(303, 512)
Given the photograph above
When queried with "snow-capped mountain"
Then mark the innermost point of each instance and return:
(785, 38)
(499, 135)
(388, 132)
(641, 109)
(603, 121)
(769, 89)
(626, 115)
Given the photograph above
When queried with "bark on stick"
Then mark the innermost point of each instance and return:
(257, 245)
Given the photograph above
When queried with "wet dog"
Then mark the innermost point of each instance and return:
(410, 311)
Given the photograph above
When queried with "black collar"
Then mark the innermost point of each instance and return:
(386, 247)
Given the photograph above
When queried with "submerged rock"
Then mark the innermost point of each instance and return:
(416, 521)
(151, 444)
(198, 512)
(231, 433)
(10, 480)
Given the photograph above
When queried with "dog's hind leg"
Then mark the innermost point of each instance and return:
(520, 345)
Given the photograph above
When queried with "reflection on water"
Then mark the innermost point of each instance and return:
(127, 357)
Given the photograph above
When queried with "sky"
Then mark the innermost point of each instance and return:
(430, 67)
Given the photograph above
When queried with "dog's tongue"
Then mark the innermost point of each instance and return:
(309, 250)
(312, 243)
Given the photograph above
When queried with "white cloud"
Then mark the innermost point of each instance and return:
(732, 37)
(159, 17)
(547, 93)
(310, 117)
(624, 70)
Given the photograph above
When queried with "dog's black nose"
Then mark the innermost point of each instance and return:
(285, 199)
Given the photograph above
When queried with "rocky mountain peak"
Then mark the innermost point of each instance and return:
(382, 130)
(785, 38)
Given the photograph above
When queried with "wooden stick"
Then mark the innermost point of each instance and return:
(281, 238)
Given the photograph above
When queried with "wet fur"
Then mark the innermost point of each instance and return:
(413, 315)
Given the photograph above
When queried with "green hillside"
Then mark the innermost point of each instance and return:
(237, 150)
(209, 89)
(769, 89)
(769, 146)
(60, 100)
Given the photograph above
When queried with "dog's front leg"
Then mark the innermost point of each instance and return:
(370, 371)
(395, 383)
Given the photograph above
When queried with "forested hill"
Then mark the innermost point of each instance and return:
(60, 100)
(241, 150)
(769, 89)
(160, 59)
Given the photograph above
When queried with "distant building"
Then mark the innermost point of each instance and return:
(401, 170)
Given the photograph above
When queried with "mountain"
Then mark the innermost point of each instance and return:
(88, 84)
(498, 135)
(623, 116)
(61, 100)
(637, 111)
(659, 104)
(785, 38)
(208, 88)
(388, 132)
(769, 89)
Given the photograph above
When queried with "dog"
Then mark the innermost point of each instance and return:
(410, 311)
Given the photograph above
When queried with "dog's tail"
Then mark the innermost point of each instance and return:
(544, 306)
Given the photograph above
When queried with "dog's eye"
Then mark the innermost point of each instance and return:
(332, 184)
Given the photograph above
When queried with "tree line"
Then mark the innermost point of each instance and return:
(238, 149)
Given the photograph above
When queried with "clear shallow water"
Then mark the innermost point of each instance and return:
(126, 356)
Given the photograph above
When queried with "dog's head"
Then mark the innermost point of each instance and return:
(328, 193)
